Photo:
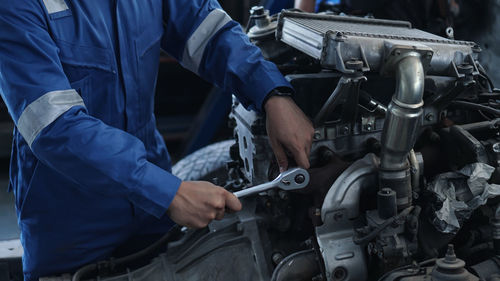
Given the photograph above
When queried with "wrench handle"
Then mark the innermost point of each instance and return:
(255, 189)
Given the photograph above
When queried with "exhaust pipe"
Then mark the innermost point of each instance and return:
(401, 126)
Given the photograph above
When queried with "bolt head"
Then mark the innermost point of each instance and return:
(300, 178)
(317, 135)
(257, 10)
(429, 117)
(496, 147)
(345, 130)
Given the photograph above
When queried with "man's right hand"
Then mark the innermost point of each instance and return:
(197, 203)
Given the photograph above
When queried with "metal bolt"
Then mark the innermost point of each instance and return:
(429, 117)
(345, 130)
(415, 195)
(339, 274)
(300, 178)
(450, 254)
(317, 135)
(429, 55)
(398, 52)
(257, 10)
(496, 147)
(476, 49)
(277, 257)
(450, 32)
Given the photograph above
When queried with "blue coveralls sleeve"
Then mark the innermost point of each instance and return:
(54, 121)
(206, 41)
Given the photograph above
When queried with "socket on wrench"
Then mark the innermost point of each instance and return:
(293, 179)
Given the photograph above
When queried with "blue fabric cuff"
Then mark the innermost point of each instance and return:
(262, 83)
(158, 189)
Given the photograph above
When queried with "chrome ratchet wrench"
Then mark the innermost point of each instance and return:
(293, 179)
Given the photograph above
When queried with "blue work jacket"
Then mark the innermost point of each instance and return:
(88, 168)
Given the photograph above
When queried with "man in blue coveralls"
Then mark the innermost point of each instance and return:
(89, 170)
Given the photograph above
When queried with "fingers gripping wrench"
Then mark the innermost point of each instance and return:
(292, 179)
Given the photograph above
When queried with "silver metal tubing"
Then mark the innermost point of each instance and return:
(410, 80)
(401, 127)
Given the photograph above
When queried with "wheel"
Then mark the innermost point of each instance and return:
(205, 164)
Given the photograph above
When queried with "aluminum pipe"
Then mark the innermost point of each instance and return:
(401, 127)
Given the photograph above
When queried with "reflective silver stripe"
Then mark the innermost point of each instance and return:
(43, 111)
(54, 6)
(195, 46)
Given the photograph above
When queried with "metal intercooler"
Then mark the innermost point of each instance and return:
(335, 40)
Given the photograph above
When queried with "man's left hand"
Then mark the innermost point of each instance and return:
(288, 128)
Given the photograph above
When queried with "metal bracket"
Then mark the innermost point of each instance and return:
(396, 52)
(347, 94)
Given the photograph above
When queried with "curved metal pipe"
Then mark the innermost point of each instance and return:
(298, 266)
(401, 127)
(404, 112)
(410, 80)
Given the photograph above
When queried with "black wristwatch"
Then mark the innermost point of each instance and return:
(277, 92)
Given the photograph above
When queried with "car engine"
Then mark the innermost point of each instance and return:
(405, 163)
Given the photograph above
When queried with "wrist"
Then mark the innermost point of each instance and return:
(276, 95)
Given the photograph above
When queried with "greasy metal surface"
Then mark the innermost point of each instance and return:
(234, 248)
(340, 208)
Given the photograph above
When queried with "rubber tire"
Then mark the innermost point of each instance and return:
(205, 164)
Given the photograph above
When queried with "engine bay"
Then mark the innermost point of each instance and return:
(405, 176)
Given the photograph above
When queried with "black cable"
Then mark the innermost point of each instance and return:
(474, 106)
(80, 273)
(370, 236)
(485, 75)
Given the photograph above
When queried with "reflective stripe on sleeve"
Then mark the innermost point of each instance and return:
(45, 110)
(196, 44)
(54, 6)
